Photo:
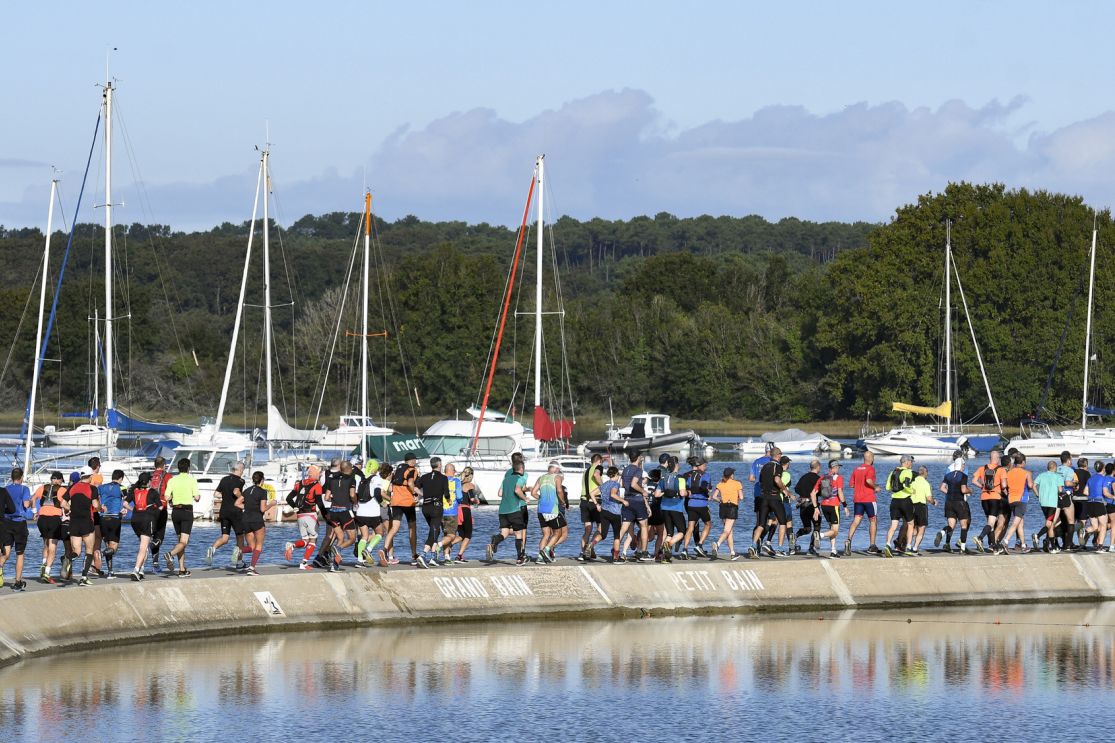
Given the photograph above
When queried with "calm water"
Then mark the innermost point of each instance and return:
(487, 523)
(864, 676)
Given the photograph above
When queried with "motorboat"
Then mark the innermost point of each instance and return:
(650, 433)
(792, 442)
(1038, 439)
(89, 435)
(350, 431)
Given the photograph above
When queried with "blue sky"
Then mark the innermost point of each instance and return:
(816, 110)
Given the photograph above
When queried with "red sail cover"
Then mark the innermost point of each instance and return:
(546, 429)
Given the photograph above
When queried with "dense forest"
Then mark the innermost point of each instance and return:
(703, 317)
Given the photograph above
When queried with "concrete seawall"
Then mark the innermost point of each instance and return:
(59, 619)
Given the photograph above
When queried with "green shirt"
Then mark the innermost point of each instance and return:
(920, 490)
(905, 477)
(510, 502)
(181, 490)
(1049, 485)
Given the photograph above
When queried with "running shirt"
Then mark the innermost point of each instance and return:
(1018, 484)
(401, 494)
(1070, 479)
(111, 498)
(50, 499)
(954, 482)
(1049, 484)
(609, 492)
(547, 495)
(835, 483)
(510, 502)
(228, 487)
(435, 489)
(756, 470)
(453, 497)
(81, 503)
(20, 494)
(630, 474)
(181, 490)
(588, 482)
(920, 491)
(1082, 477)
(861, 491)
(672, 491)
(340, 492)
(905, 477)
(767, 479)
(160, 479)
(698, 487)
(992, 479)
(1095, 487)
(374, 507)
(254, 496)
(807, 483)
(143, 499)
(730, 491)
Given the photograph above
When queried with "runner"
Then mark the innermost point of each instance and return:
(591, 481)
(433, 488)
(637, 510)
(15, 526)
(727, 493)
(656, 523)
(402, 506)
(830, 497)
(96, 480)
(671, 493)
(231, 517)
(921, 496)
(773, 489)
(1064, 503)
(81, 503)
(697, 484)
(1004, 500)
(450, 512)
(955, 487)
(160, 478)
(369, 513)
(255, 504)
(808, 508)
(900, 485)
(989, 480)
(1019, 486)
(48, 504)
(612, 503)
(143, 501)
(1079, 493)
(305, 499)
(512, 499)
(181, 495)
(1049, 485)
(341, 497)
(1095, 509)
(470, 496)
(111, 497)
(865, 491)
(546, 490)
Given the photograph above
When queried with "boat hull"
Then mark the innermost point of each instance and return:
(666, 443)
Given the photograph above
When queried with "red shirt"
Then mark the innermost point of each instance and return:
(861, 491)
(837, 483)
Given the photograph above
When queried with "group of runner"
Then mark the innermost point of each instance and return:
(658, 515)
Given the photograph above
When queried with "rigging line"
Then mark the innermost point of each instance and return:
(327, 363)
(395, 325)
(22, 317)
(380, 261)
(1061, 344)
(566, 376)
(495, 325)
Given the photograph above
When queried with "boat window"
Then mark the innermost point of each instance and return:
(658, 424)
(454, 446)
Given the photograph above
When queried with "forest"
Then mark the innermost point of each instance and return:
(707, 317)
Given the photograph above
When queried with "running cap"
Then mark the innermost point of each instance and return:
(663, 458)
(834, 463)
(86, 472)
(75, 477)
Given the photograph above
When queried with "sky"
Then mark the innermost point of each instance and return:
(842, 111)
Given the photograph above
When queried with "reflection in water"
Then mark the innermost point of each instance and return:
(460, 679)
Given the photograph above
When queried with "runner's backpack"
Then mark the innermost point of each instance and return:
(895, 483)
(825, 491)
(364, 491)
(402, 473)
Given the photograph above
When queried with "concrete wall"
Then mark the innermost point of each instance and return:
(57, 619)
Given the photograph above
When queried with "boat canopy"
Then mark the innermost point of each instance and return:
(1093, 410)
(944, 410)
(124, 423)
(790, 434)
(393, 447)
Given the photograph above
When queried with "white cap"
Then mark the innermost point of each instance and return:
(86, 472)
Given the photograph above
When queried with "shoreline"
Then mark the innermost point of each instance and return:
(57, 619)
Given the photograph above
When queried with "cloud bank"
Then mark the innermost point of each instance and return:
(614, 155)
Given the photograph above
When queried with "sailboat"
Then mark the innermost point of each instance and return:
(1039, 440)
(486, 440)
(943, 438)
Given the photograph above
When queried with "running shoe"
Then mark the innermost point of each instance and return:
(911, 553)
(111, 576)
(940, 537)
(100, 574)
(543, 557)
(336, 553)
(461, 558)
(1025, 550)
(700, 550)
(947, 547)
(962, 548)
(241, 565)
(19, 585)
(490, 554)
(83, 581)
(393, 561)
(359, 564)
(833, 555)
(67, 568)
(887, 552)
(847, 549)
(236, 554)
(619, 560)
(169, 561)
(420, 562)
(373, 543)
(715, 550)
(1034, 540)
(521, 560)
(872, 550)
(184, 573)
(48, 580)
(768, 549)
(209, 555)
(592, 552)
(979, 546)
(288, 551)
(305, 566)
(1081, 527)
(813, 551)
(667, 557)
(433, 562)
(155, 566)
(644, 557)
(751, 553)
(333, 568)
(581, 557)
(251, 571)
(733, 556)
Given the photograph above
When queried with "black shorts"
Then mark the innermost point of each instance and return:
(141, 524)
(831, 514)
(958, 509)
(699, 513)
(771, 507)
(341, 518)
(1049, 512)
(110, 528)
(758, 503)
(50, 527)
(158, 524)
(609, 520)
(464, 523)
(635, 510)
(921, 514)
(560, 522)
(1110, 508)
(901, 509)
(253, 523)
(1095, 510)
(1018, 510)
(372, 522)
(992, 508)
(232, 522)
(656, 518)
(182, 518)
(15, 536)
(81, 528)
(398, 512)
(674, 521)
(1064, 500)
(513, 521)
(729, 511)
(589, 513)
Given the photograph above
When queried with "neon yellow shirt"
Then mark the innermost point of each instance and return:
(919, 490)
(181, 490)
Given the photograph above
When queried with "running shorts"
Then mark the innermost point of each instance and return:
(1063, 500)
(448, 525)
(635, 510)
(831, 514)
(1049, 512)
(141, 524)
(81, 528)
(252, 523)
(609, 520)
(398, 512)
(674, 522)
(1095, 510)
(232, 522)
(182, 518)
(771, 507)
(372, 522)
(307, 527)
(559, 522)
(589, 513)
(1110, 508)
(656, 518)
(901, 509)
(921, 514)
(864, 509)
(958, 509)
(110, 528)
(50, 527)
(513, 521)
(992, 508)
(729, 511)
(15, 535)
(341, 517)
(464, 528)
(699, 513)
(1018, 510)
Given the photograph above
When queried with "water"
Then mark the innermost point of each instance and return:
(947, 675)
(487, 522)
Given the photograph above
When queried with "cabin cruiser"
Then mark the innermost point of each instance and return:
(792, 442)
(649, 433)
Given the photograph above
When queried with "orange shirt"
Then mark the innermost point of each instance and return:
(48, 506)
(1017, 479)
(96, 479)
(401, 495)
(994, 489)
(730, 491)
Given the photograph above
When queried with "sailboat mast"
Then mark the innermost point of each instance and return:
(1088, 330)
(267, 279)
(109, 402)
(39, 332)
(538, 289)
(239, 308)
(364, 329)
(948, 317)
(97, 362)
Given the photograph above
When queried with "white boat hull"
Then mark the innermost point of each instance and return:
(900, 443)
(87, 435)
(1098, 444)
(802, 448)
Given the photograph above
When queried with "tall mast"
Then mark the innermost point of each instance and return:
(538, 290)
(267, 279)
(1088, 329)
(97, 363)
(948, 317)
(39, 332)
(239, 307)
(364, 328)
(109, 402)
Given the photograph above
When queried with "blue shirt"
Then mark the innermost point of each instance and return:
(608, 492)
(1049, 484)
(454, 499)
(631, 473)
(19, 494)
(1096, 485)
(111, 498)
(698, 489)
(1070, 476)
(547, 494)
(756, 468)
(672, 501)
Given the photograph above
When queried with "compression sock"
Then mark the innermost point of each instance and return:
(256, 555)
(948, 534)
(963, 535)
(360, 547)
(986, 531)
(88, 564)
(108, 555)
(520, 547)
(1042, 532)
(309, 551)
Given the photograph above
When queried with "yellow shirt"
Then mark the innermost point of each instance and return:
(919, 490)
(181, 490)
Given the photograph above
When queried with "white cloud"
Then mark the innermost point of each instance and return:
(614, 155)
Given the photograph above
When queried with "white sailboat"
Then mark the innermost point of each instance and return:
(942, 439)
